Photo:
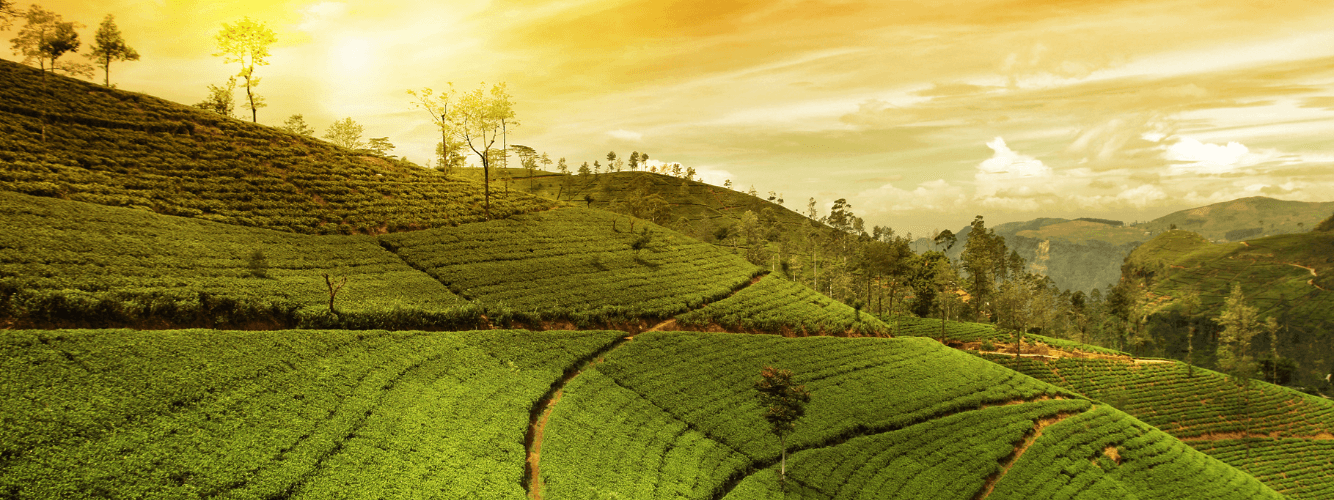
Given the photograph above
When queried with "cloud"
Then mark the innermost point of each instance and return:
(931, 196)
(1193, 156)
(626, 135)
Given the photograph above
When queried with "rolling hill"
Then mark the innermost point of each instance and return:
(506, 413)
(1085, 254)
(74, 140)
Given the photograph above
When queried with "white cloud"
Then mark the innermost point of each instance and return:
(1207, 158)
(626, 135)
(1011, 180)
(1142, 196)
(314, 16)
(930, 196)
(1014, 165)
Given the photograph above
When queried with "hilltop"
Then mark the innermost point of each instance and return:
(69, 139)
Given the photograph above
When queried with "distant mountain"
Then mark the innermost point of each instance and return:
(1087, 253)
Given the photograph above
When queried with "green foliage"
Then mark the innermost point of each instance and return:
(204, 413)
(1326, 225)
(1072, 460)
(1202, 406)
(67, 263)
(125, 149)
(571, 264)
(109, 45)
(777, 305)
(246, 42)
(961, 331)
(296, 124)
(345, 133)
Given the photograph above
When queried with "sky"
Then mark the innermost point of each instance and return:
(921, 115)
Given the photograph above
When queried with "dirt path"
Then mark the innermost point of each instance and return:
(1313, 276)
(537, 424)
(1019, 452)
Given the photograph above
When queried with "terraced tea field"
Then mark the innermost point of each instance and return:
(62, 137)
(888, 417)
(576, 264)
(76, 264)
(1281, 436)
(777, 305)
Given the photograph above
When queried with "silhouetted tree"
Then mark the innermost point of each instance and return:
(109, 45)
(45, 37)
(380, 145)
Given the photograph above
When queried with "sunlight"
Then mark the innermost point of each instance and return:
(350, 55)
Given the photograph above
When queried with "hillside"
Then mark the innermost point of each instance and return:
(1281, 436)
(1288, 277)
(323, 414)
(1085, 254)
(73, 264)
(65, 138)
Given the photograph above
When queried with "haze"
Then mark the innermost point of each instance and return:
(921, 114)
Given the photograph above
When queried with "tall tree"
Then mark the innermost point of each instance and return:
(448, 152)
(7, 13)
(634, 161)
(246, 42)
(44, 38)
(296, 124)
(109, 45)
(1240, 323)
(481, 117)
(345, 133)
(784, 402)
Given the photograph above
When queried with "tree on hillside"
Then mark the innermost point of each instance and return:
(481, 116)
(1240, 325)
(44, 38)
(611, 160)
(345, 133)
(562, 167)
(784, 402)
(1189, 305)
(296, 124)
(109, 45)
(984, 259)
(545, 161)
(634, 161)
(380, 145)
(246, 42)
(527, 159)
(584, 171)
(947, 300)
(946, 238)
(448, 152)
(221, 99)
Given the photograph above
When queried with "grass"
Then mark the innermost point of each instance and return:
(775, 304)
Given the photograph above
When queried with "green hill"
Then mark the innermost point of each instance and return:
(1087, 254)
(1281, 436)
(1288, 277)
(324, 414)
(70, 139)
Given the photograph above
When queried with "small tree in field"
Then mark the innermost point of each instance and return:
(784, 403)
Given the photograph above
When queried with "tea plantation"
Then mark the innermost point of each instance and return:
(71, 139)
(1281, 436)
(775, 304)
(889, 418)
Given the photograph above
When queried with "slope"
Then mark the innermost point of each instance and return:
(66, 138)
(1281, 436)
(1085, 254)
(673, 415)
(70, 264)
(1288, 277)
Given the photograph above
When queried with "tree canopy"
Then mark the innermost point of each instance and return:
(246, 42)
(109, 45)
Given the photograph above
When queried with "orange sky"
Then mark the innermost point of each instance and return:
(922, 114)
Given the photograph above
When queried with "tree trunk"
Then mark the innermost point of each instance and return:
(254, 113)
(783, 468)
(486, 183)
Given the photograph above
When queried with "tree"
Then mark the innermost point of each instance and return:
(545, 161)
(7, 14)
(634, 161)
(481, 116)
(1240, 324)
(611, 160)
(1190, 306)
(784, 403)
(380, 145)
(220, 99)
(109, 45)
(561, 166)
(584, 171)
(296, 124)
(946, 238)
(44, 38)
(448, 151)
(948, 302)
(345, 133)
(335, 285)
(246, 42)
